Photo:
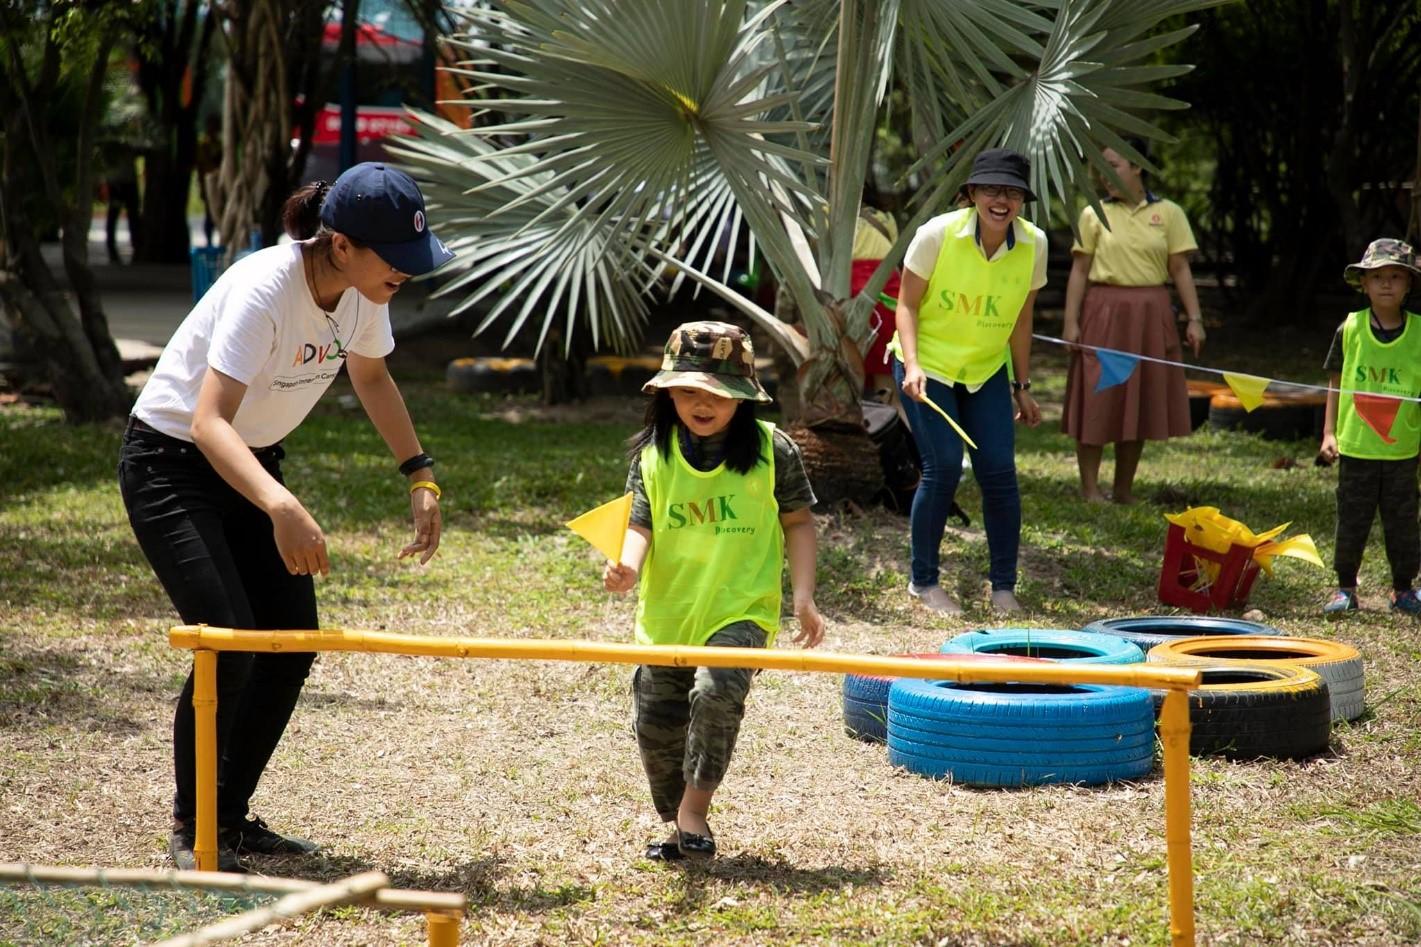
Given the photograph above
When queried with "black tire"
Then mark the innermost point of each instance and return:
(1146, 631)
(493, 376)
(1339, 664)
(617, 375)
(1286, 419)
(1247, 710)
(982, 734)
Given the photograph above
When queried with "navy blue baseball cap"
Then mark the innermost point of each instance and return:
(383, 209)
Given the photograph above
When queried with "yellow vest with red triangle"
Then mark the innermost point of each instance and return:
(1379, 368)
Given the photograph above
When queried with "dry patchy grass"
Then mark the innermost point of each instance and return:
(518, 784)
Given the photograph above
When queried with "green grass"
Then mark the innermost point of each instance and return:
(517, 783)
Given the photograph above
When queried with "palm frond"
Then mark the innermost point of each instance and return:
(619, 125)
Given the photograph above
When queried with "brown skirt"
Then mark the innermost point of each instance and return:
(1153, 404)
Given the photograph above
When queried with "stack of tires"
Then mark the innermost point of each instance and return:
(1262, 695)
(1338, 666)
(1024, 734)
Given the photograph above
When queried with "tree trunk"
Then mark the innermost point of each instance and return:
(563, 368)
(79, 355)
(172, 80)
(841, 460)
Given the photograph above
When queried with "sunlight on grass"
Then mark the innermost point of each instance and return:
(518, 782)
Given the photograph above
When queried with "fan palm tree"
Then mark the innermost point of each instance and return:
(635, 135)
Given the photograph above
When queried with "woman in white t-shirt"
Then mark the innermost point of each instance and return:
(200, 469)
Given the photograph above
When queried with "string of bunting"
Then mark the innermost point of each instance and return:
(1377, 410)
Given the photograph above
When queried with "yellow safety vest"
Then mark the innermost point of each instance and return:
(1386, 368)
(970, 306)
(717, 548)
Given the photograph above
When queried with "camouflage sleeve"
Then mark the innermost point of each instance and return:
(792, 489)
(641, 506)
(1333, 363)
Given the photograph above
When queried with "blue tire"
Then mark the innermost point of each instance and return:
(1146, 631)
(865, 701)
(865, 720)
(1055, 644)
(1020, 734)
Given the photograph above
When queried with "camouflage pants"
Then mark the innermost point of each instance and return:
(688, 719)
(1363, 488)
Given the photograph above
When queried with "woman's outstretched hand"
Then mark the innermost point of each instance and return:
(424, 507)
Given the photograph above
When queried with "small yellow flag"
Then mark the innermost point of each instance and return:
(1248, 389)
(606, 526)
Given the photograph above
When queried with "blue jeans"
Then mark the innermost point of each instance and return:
(987, 416)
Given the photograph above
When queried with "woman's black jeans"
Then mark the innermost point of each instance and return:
(215, 554)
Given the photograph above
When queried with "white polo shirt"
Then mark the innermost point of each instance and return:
(259, 325)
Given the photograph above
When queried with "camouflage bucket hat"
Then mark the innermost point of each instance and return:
(713, 356)
(1380, 253)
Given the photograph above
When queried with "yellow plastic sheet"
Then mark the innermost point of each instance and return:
(1205, 526)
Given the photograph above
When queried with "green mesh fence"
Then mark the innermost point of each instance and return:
(39, 913)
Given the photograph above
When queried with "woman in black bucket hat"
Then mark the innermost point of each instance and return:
(964, 319)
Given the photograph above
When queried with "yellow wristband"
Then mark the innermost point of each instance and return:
(429, 485)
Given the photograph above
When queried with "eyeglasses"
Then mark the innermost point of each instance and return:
(994, 191)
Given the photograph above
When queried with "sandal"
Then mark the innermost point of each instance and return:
(692, 845)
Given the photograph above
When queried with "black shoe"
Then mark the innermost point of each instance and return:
(664, 852)
(692, 845)
(180, 844)
(252, 837)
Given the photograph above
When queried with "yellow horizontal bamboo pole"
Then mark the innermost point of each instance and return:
(386, 899)
(345, 639)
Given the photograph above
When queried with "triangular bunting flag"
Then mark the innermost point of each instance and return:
(1378, 411)
(1115, 368)
(1248, 389)
(606, 526)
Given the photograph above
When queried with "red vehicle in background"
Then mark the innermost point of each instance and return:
(394, 67)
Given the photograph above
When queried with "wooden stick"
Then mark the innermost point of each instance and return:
(354, 888)
(386, 899)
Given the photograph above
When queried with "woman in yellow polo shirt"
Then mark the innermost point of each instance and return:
(1116, 299)
(969, 287)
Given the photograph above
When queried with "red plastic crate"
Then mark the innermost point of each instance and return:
(1180, 574)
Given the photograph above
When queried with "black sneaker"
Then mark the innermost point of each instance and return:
(252, 837)
(180, 844)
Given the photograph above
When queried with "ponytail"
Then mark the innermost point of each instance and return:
(301, 214)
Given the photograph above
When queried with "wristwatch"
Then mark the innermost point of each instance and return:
(1021, 385)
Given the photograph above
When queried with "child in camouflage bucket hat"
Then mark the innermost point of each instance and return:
(719, 501)
(1373, 425)
(713, 356)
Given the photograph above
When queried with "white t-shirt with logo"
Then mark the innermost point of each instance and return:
(259, 325)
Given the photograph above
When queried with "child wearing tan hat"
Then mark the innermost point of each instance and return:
(1373, 427)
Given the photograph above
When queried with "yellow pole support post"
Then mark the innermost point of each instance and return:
(204, 710)
(1174, 719)
(443, 929)
(1174, 733)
